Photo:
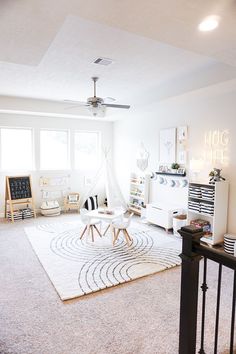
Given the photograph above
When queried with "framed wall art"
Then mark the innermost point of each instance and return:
(167, 145)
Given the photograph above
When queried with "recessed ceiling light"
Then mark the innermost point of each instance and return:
(209, 23)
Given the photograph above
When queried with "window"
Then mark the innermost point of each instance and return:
(16, 149)
(87, 152)
(54, 150)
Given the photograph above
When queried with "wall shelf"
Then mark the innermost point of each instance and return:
(200, 213)
(171, 174)
(208, 201)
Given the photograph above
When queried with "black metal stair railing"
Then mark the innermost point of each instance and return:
(204, 288)
(217, 309)
(192, 252)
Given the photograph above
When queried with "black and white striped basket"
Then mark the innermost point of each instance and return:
(229, 243)
(21, 214)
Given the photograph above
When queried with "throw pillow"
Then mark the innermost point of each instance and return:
(91, 203)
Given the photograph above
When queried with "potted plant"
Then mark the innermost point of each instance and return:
(174, 167)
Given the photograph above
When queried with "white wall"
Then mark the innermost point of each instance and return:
(76, 180)
(203, 110)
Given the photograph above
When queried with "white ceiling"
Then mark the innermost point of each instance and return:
(47, 53)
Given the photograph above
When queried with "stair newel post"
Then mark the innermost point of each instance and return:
(189, 290)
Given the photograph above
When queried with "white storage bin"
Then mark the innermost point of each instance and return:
(161, 215)
(178, 223)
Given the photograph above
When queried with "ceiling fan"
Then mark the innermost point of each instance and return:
(97, 105)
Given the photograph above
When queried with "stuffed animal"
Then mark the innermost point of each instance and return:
(216, 176)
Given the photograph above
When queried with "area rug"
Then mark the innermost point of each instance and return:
(78, 267)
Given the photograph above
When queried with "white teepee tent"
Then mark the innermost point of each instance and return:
(105, 173)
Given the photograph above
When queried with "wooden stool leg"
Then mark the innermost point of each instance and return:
(126, 236)
(104, 233)
(83, 232)
(116, 236)
(92, 232)
(99, 233)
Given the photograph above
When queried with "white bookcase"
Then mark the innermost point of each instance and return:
(139, 190)
(209, 202)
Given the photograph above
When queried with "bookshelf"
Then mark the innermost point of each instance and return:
(138, 193)
(209, 203)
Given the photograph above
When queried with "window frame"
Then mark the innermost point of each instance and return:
(99, 135)
(68, 149)
(32, 130)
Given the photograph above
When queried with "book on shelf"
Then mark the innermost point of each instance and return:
(204, 225)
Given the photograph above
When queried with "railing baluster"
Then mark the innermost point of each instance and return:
(217, 308)
(204, 288)
(233, 316)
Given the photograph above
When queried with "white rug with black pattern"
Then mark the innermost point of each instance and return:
(77, 267)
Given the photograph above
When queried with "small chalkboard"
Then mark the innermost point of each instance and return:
(20, 187)
(18, 191)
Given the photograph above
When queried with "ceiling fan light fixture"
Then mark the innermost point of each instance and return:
(97, 110)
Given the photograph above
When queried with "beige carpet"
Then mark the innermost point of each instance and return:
(79, 267)
(140, 317)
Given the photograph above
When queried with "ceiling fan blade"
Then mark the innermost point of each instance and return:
(75, 104)
(124, 106)
(109, 99)
(72, 106)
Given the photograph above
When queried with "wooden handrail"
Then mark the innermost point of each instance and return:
(215, 255)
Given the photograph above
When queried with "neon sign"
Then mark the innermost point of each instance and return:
(216, 146)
